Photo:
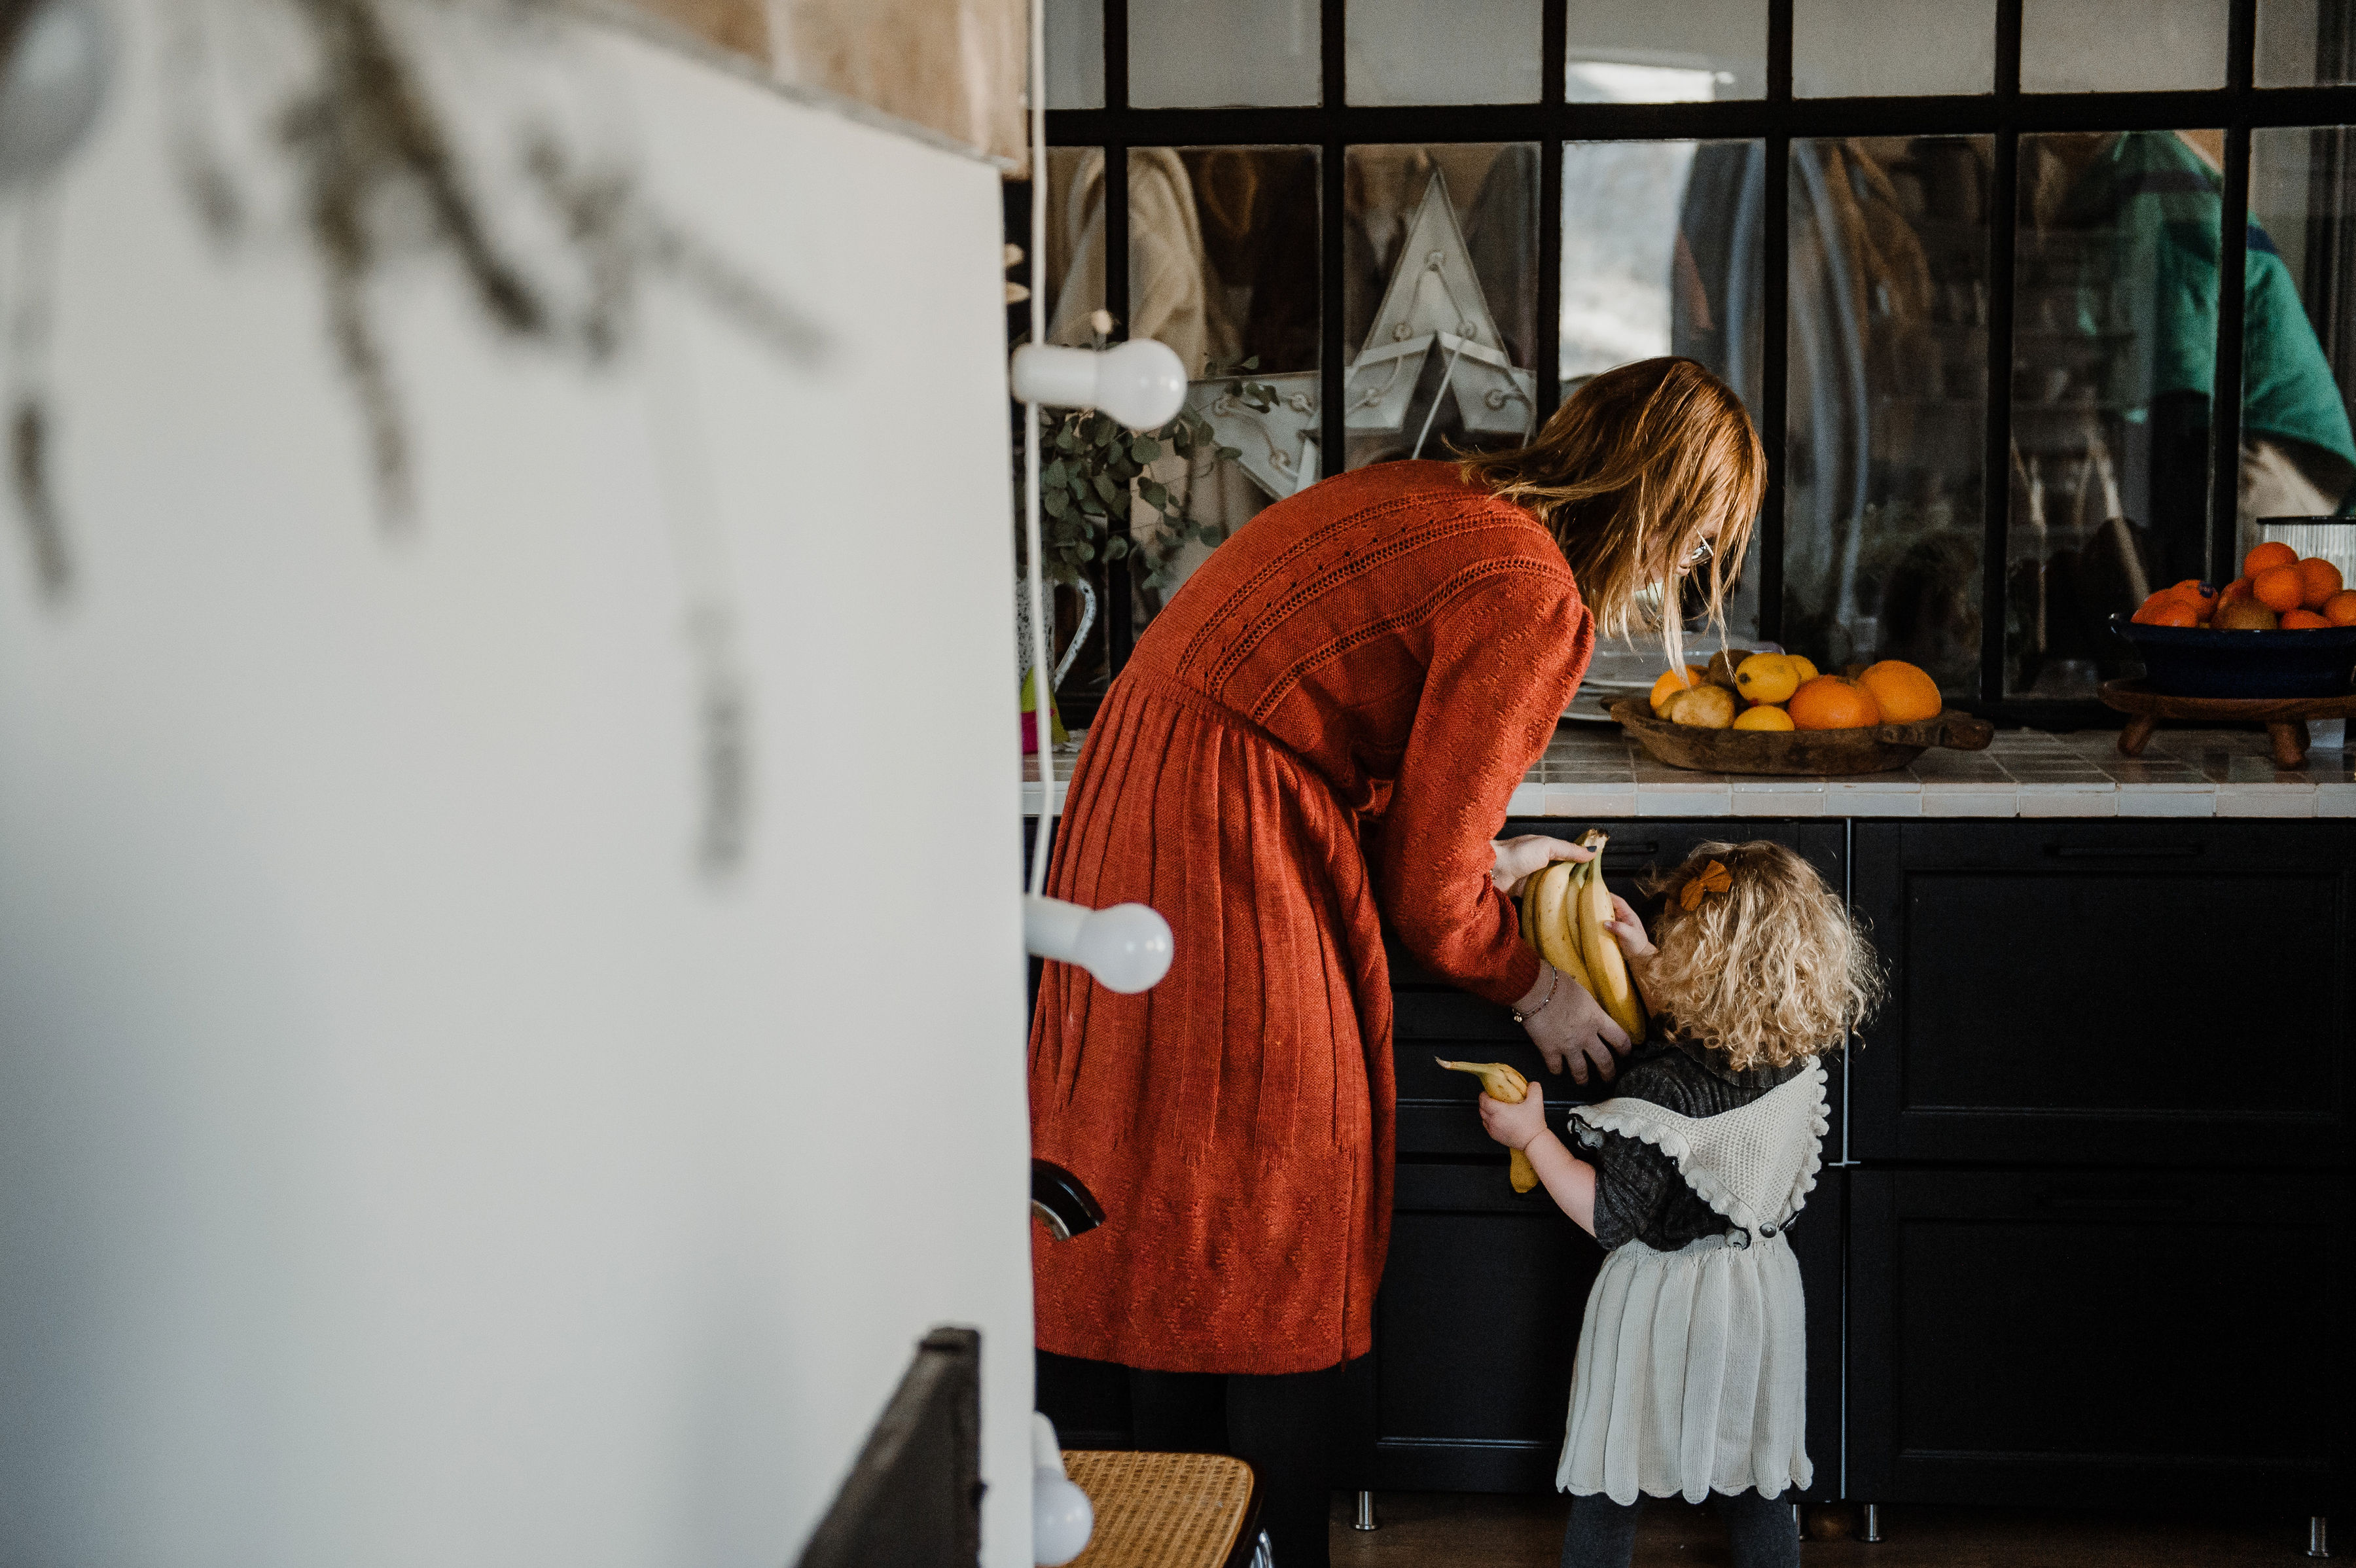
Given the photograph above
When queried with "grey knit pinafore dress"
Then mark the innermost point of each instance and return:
(1691, 1372)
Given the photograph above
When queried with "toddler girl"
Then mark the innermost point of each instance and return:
(1690, 1373)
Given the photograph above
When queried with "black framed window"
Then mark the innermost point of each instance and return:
(1963, 259)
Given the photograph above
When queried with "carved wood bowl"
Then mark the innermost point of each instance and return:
(1874, 750)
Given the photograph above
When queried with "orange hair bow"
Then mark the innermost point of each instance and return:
(1711, 878)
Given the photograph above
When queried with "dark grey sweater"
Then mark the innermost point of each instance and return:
(1639, 1196)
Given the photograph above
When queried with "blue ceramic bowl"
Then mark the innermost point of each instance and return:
(2195, 662)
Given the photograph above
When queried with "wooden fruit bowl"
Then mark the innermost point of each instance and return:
(1874, 750)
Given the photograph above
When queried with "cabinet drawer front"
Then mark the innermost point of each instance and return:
(2097, 1338)
(1433, 1018)
(2168, 993)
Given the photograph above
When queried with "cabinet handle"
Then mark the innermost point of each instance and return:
(2090, 1202)
(2123, 851)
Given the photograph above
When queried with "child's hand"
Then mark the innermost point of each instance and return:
(1628, 931)
(1515, 1126)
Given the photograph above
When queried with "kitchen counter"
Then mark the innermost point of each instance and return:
(1593, 771)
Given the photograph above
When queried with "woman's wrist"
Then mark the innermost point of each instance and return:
(1542, 991)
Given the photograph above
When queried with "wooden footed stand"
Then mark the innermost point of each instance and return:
(2284, 717)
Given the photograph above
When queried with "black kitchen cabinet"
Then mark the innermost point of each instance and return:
(2083, 993)
(2123, 1337)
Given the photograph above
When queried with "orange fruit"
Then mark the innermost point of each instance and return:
(1764, 717)
(1832, 702)
(1672, 681)
(2239, 588)
(2166, 610)
(2278, 588)
(2273, 552)
(1904, 694)
(2303, 620)
(2339, 609)
(2320, 578)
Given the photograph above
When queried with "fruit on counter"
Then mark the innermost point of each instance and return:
(2278, 588)
(2339, 609)
(1605, 962)
(2273, 552)
(1550, 927)
(1702, 707)
(1766, 678)
(2166, 609)
(1722, 665)
(1904, 694)
(1833, 702)
(2245, 615)
(1806, 671)
(1764, 717)
(1672, 680)
(2303, 620)
(2319, 579)
(1502, 1083)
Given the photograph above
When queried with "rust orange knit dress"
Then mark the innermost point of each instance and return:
(1320, 732)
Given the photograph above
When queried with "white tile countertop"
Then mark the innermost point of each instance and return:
(1593, 771)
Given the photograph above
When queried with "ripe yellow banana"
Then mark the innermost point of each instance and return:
(1529, 905)
(1557, 926)
(1502, 1083)
(1604, 961)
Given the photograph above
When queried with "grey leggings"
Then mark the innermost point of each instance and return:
(1602, 1533)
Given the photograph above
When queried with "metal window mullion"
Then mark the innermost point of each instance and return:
(1332, 451)
(2004, 255)
(2233, 277)
(1120, 609)
(1775, 316)
(1545, 353)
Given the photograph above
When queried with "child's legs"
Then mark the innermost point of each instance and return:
(1759, 1531)
(1601, 1533)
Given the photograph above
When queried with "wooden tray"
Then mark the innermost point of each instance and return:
(2284, 717)
(1874, 750)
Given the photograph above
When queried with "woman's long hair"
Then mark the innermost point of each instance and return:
(1629, 476)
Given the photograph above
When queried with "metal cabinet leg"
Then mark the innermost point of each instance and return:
(2319, 1535)
(1365, 1520)
(1872, 1524)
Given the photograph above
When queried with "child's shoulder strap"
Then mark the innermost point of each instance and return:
(1755, 1164)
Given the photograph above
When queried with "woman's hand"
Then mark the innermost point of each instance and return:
(1515, 1126)
(1518, 857)
(1571, 1029)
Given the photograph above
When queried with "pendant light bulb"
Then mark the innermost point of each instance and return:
(1141, 383)
(1127, 947)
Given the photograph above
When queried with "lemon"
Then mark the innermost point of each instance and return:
(1763, 719)
(1766, 678)
(1806, 671)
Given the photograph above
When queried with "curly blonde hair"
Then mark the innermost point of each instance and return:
(1771, 969)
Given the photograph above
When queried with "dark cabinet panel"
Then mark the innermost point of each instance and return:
(2160, 992)
(2118, 1337)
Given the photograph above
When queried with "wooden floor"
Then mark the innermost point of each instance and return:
(1430, 1529)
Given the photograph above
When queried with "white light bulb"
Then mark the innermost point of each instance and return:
(1062, 1518)
(1127, 947)
(1141, 383)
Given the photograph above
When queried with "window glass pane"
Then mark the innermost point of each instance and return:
(1440, 298)
(2299, 336)
(1471, 52)
(1074, 54)
(1887, 400)
(1216, 54)
(2121, 46)
(2305, 43)
(1661, 255)
(1843, 48)
(2114, 341)
(1222, 254)
(1689, 52)
(1075, 293)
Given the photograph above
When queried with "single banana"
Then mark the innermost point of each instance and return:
(1529, 907)
(1502, 1083)
(1558, 942)
(1612, 987)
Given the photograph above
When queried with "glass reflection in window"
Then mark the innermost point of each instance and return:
(1693, 51)
(1470, 52)
(2114, 344)
(2298, 333)
(2305, 43)
(1440, 298)
(1224, 54)
(1858, 47)
(2121, 46)
(1886, 395)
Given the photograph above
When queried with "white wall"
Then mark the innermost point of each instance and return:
(405, 1157)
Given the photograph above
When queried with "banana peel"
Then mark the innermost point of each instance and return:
(1502, 1084)
(1557, 930)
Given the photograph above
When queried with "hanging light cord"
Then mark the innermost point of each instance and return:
(1042, 682)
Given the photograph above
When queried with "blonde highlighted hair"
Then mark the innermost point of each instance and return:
(1764, 962)
(1643, 464)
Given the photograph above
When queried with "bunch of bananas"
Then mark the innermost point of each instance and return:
(1564, 908)
(1500, 1082)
